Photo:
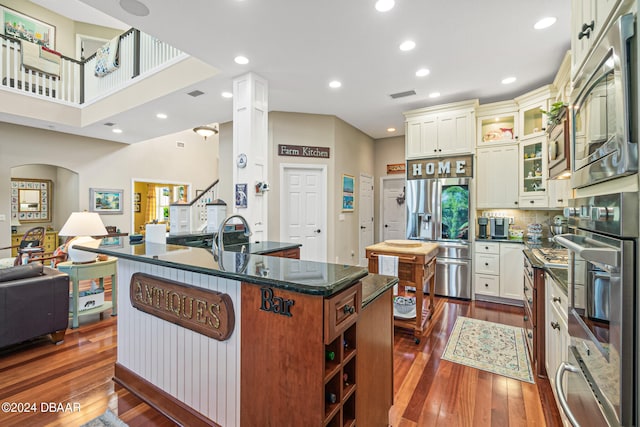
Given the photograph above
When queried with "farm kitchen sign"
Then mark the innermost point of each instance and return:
(303, 151)
(442, 167)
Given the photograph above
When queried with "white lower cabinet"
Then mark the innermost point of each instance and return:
(498, 270)
(556, 334)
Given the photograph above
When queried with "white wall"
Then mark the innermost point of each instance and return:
(387, 151)
(102, 164)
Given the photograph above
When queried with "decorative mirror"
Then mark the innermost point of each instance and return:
(31, 199)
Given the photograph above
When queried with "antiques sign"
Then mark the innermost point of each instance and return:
(207, 312)
(303, 151)
(441, 167)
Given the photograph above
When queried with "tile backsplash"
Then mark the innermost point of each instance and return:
(522, 218)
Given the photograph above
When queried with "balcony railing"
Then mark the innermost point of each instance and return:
(139, 54)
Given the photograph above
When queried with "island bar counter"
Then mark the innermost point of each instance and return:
(307, 343)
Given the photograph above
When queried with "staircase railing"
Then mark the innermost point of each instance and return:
(192, 217)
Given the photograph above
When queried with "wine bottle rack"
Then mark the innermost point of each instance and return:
(340, 380)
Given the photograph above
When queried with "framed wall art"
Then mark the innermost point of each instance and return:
(348, 191)
(31, 199)
(105, 201)
(241, 195)
(23, 27)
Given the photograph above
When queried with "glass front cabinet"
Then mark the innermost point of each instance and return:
(533, 180)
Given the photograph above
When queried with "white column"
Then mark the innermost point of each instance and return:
(250, 137)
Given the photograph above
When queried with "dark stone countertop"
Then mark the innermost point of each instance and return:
(560, 275)
(374, 285)
(203, 240)
(308, 277)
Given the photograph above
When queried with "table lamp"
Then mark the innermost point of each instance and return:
(81, 226)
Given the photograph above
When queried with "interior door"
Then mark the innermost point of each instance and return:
(303, 212)
(366, 216)
(394, 209)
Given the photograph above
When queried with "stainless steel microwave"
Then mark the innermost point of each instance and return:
(559, 147)
(604, 130)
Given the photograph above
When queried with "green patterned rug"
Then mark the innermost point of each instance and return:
(492, 347)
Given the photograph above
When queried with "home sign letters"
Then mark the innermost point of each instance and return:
(441, 167)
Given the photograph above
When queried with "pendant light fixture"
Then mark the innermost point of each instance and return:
(205, 131)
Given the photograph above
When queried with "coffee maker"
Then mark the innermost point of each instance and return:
(500, 227)
(483, 227)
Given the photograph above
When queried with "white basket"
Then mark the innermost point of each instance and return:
(404, 305)
(88, 300)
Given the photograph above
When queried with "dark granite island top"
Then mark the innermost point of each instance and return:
(308, 277)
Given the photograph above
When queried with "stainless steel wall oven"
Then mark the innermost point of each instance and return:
(604, 133)
(601, 382)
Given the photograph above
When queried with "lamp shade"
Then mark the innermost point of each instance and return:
(205, 131)
(83, 224)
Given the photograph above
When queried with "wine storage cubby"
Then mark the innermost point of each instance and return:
(340, 379)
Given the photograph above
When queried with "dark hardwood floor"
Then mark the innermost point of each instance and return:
(428, 391)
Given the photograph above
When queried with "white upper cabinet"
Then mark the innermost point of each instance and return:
(447, 129)
(532, 121)
(588, 20)
(497, 123)
(533, 173)
(497, 177)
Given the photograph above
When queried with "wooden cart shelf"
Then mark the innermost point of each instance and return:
(417, 269)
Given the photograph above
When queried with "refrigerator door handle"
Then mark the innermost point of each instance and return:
(449, 261)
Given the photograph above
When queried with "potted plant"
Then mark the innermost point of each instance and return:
(555, 113)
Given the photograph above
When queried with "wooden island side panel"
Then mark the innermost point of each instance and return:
(282, 357)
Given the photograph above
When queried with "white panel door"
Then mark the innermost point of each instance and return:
(366, 216)
(393, 221)
(303, 212)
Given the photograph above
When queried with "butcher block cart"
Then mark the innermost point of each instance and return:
(416, 268)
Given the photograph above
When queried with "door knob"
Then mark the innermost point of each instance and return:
(317, 231)
(362, 227)
(385, 226)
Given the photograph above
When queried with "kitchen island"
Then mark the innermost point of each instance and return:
(236, 339)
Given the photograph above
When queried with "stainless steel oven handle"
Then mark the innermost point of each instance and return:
(608, 256)
(565, 366)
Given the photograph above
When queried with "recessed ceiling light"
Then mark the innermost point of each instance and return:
(434, 94)
(227, 95)
(391, 129)
(242, 60)
(407, 45)
(335, 84)
(116, 130)
(422, 72)
(508, 80)
(384, 5)
(544, 23)
(134, 7)
(161, 115)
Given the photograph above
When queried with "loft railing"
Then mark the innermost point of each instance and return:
(139, 54)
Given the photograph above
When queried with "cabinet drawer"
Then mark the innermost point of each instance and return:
(557, 298)
(534, 202)
(487, 285)
(487, 264)
(487, 248)
(341, 311)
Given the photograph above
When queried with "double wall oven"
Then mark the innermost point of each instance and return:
(597, 385)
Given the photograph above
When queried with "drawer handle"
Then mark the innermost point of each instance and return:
(557, 299)
(486, 285)
(486, 248)
(400, 258)
(530, 334)
(349, 309)
(530, 301)
(555, 325)
(486, 263)
(526, 318)
(526, 288)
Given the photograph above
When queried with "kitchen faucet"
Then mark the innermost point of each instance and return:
(218, 240)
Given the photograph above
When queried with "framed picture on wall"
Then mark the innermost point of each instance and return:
(241, 195)
(348, 191)
(23, 27)
(105, 201)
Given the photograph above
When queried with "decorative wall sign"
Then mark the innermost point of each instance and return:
(23, 27)
(303, 151)
(241, 195)
(31, 199)
(274, 304)
(348, 190)
(395, 168)
(442, 167)
(105, 201)
(206, 312)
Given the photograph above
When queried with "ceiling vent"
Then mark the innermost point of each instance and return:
(195, 93)
(109, 124)
(402, 94)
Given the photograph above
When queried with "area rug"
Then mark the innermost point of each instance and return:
(492, 347)
(108, 419)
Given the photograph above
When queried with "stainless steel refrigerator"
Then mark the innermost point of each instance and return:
(438, 210)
